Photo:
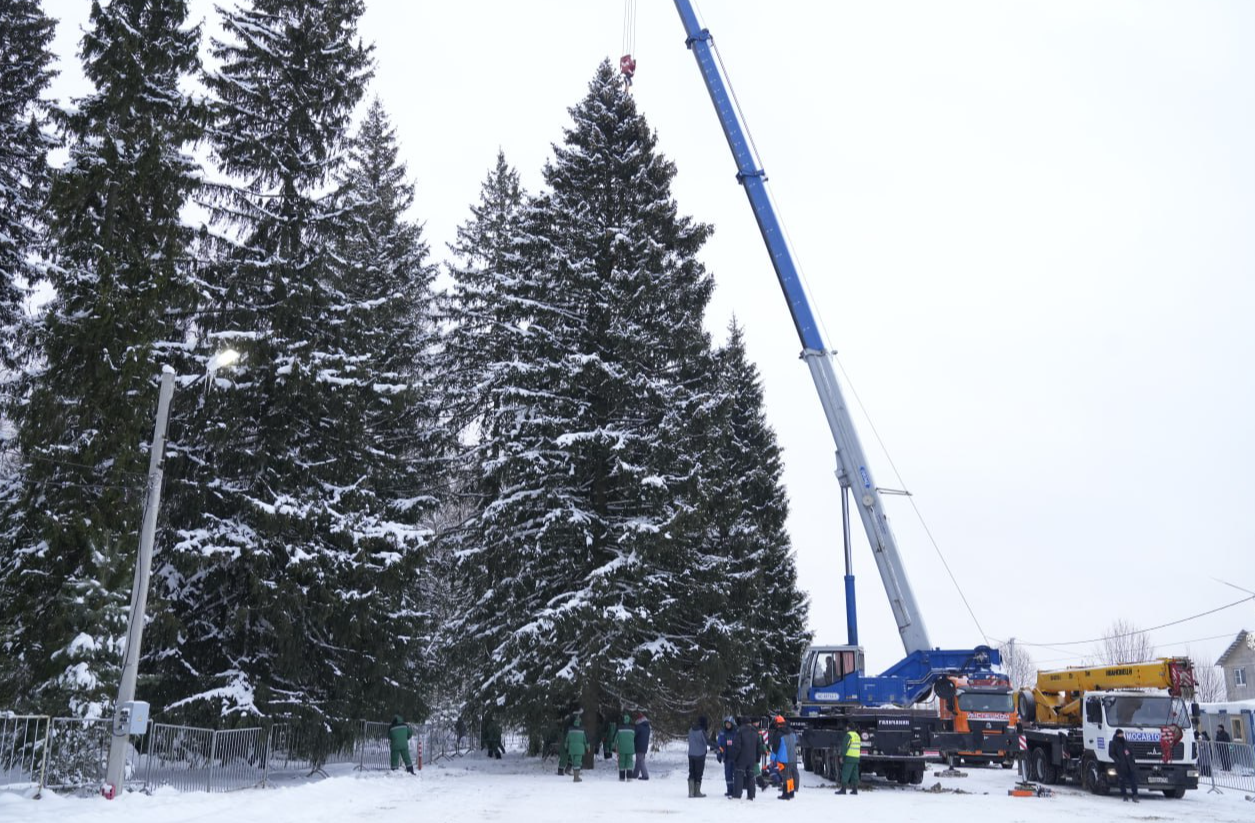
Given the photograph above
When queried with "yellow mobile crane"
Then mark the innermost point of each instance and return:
(1070, 714)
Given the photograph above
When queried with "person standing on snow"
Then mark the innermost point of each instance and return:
(568, 723)
(723, 744)
(785, 758)
(747, 751)
(642, 745)
(849, 763)
(625, 745)
(492, 737)
(399, 735)
(699, 747)
(1222, 747)
(574, 746)
(1126, 767)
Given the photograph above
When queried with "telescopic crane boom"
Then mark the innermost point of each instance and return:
(853, 471)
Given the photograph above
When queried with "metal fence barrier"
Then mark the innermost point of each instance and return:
(237, 760)
(23, 750)
(375, 748)
(78, 753)
(1226, 765)
(177, 756)
(69, 753)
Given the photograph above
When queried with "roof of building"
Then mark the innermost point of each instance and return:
(1238, 642)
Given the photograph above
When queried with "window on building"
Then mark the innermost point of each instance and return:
(1239, 677)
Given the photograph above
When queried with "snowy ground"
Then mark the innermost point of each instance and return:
(519, 790)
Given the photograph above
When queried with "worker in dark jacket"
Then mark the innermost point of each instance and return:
(723, 743)
(1223, 753)
(747, 751)
(1126, 767)
(642, 745)
(399, 744)
(492, 737)
(625, 745)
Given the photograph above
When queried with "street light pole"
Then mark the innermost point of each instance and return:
(120, 737)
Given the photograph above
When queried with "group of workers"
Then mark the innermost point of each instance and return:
(751, 756)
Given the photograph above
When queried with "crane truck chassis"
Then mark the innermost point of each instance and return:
(1071, 714)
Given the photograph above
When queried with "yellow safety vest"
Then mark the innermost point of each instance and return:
(854, 748)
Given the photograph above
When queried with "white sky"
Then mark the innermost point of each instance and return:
(1027, 226)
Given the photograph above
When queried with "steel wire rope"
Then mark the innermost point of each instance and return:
(629, 27)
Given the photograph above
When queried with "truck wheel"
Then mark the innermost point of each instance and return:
(1040, 767)
(916, 776)
(808, 762)
(1175, 794)
(1094, 777)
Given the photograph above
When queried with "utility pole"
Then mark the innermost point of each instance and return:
(121, 729)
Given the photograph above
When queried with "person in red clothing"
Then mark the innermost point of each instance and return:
(628, 67)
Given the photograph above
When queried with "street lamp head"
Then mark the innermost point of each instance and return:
(223, 359)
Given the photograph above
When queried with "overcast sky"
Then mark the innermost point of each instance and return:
(1027, 228)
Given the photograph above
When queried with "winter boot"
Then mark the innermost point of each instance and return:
(697, 789)
(622, 774)
(854, 790)
(578, 779)
(410, 769)
(561, 771)
(691, 794)
(840, 792)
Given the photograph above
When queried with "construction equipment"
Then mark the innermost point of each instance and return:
(980, 711)
(1070, 714)
(834, 691)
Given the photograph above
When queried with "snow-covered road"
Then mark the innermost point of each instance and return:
(519, 790)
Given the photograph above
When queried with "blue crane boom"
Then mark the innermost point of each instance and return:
(852, 467)
(912, 678)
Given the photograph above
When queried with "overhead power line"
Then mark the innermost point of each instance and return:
(1141, 631)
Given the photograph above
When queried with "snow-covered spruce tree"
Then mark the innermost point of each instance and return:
(286, 573)
(588, 545)
(388, 338)
(122, 279)
(477, 312)
(746, 520)
(25, 32)
(487, 263)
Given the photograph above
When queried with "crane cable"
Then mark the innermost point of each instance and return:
(629, 27)
(819, 319)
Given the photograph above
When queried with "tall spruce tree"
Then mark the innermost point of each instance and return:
(121, 274)
(588, 544)
(386, 310)
(25, 33)
(25, 72)
(746, 520)
(282, 574)
(486, 262)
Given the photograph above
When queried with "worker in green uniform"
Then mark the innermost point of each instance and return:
(625, 745)
(575, 745)
(849, 763)
(399, 744)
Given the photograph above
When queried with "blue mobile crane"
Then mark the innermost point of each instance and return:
(834, 691)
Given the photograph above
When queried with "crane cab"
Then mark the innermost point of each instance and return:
(830, 676)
